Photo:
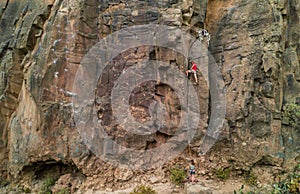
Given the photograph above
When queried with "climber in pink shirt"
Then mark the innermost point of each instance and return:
(193, 70)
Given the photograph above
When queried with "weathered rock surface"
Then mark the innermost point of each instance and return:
(42, 44)
(198, 189)
(252, 41)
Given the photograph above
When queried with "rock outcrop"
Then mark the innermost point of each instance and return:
(43, 45)
(257, 45)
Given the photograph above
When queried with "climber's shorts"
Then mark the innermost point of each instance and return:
(191, 71)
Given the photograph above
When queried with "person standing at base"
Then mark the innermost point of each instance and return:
(193, 70)
(192, 171)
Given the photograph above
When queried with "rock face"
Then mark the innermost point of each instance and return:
(43, 45)
(257, 45)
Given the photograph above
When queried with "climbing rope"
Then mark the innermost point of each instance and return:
(203, 35)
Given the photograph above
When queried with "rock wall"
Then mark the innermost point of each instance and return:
(257, 46)
(255, 43)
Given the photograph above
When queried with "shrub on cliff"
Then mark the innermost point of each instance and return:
(46, 187)
(291, 114)
(177, 175)
(143, 189)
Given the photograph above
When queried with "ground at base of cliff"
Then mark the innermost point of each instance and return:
(203, 186)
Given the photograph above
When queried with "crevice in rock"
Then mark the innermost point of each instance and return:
(3, 48)
(160, 139)
(4, 8)
(43, 169)
(40, 171)
(265, 161)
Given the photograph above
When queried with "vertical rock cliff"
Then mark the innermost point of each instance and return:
(255, 44)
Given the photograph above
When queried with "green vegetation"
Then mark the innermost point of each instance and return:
(26, 190)
(250, 178)
(64, 191)
(143, 189)
(46, 187)
(4, 183)
(291, 185)
(177, 175)
(223, 173)
(291, 113)
(240, 191)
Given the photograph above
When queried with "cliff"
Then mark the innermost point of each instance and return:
(69, 110)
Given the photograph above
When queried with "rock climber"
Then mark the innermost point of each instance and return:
(193, 70)
(204, 34)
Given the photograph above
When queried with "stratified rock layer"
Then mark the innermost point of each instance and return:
(255, 43)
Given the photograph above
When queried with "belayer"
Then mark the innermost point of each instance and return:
(192, 172)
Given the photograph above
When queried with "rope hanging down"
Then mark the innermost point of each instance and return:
(203, 35)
